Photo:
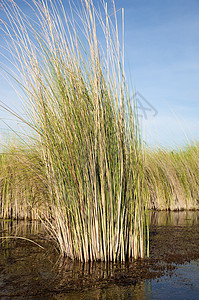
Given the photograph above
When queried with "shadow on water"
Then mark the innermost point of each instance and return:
(27, 271)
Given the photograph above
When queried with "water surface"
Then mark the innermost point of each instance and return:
(29, 272)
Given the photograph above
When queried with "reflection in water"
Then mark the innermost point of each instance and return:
(181, 218)
(27, 270)
(19, 228)
(113, 292)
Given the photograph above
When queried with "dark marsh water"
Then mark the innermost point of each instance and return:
(171, 272)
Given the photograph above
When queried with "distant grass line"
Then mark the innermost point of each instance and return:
(172, 178)
(23, 186)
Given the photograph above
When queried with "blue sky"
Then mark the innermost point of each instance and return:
(162, 44)
(162, 54)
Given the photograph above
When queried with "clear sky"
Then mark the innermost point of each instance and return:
(162, 43)
(162, 54)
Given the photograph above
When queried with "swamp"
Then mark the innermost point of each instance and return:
(87, 210)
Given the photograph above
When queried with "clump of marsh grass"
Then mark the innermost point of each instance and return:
(173, 177)
(78, 103)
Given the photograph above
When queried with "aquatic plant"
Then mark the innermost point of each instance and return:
(76, 99)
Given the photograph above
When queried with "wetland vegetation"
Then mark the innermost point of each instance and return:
(82, 170)
(85, 156)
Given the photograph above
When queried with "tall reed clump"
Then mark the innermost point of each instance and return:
(172, 178)
(23, 191)
(78, 103)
